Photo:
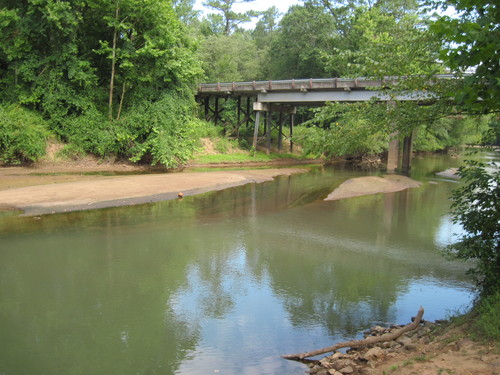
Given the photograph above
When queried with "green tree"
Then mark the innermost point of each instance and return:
(230, 18)
(339, 130)
(86, 64)
(476, 206)
(471, 41)
(185, 11)
(230, 58)
(386, 43)
(38, 63)
(302, 41)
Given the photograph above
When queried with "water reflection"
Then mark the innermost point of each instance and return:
(225, 281)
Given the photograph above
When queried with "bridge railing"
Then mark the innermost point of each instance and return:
(304, 84)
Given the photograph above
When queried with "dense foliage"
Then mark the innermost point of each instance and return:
(471, 41)
(476, 206)
(22, 134)
(88, 66)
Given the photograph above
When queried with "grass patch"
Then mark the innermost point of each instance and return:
(393, 368)
(486, 322)
(481, 324)
(243, 157)
(421, 358)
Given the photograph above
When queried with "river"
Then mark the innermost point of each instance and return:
(227, 281)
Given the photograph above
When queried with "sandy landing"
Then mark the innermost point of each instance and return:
(372, 185)
(125, 190)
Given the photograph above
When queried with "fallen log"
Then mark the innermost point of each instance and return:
(357, 343)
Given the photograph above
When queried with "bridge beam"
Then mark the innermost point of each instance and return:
(305, 97)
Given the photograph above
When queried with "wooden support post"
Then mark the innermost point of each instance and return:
(280, 131)
(207, 108)
(268, 132)
(216, 114)
(239, 116)
(292, 120)
(256, 130)
(248, 111)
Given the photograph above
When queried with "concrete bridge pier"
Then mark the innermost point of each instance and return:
(393, 154)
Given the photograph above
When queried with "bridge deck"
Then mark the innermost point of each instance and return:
(312, 84)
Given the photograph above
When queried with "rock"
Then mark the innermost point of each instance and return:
(315, 369)
(346, 370)
(325, 362)
(336, 356)
(410, 347)
(404, 340)
(378, 329)
(334, 372)
(495, 363)
(374, 354)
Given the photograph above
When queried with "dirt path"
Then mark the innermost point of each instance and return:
(39, 192)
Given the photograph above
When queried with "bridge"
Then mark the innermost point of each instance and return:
(283, 96)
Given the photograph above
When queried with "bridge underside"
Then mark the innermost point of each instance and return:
(258, 99)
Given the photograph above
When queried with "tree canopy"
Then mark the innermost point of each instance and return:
(471, 44)
(113, 68)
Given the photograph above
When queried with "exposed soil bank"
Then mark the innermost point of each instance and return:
(100, 192)
(372, 185)
(431, 349)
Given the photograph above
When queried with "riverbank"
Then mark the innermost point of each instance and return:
(434, 348)
(59, 189)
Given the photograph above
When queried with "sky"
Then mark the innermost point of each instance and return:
(282, 5)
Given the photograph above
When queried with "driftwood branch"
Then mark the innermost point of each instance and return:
(356, 343)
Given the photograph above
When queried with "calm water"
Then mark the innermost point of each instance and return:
(224, 282)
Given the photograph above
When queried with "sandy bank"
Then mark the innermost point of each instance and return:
(127, 190)
(372, 185)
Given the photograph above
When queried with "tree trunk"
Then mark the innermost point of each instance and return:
(121, 103)
(113, 64)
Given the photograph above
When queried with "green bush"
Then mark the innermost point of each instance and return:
(451, 132)
(164, 132)
(23, 135)
(343, 130)
(487, 323)
(491, 136)
(476, 206)
(92, 132)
